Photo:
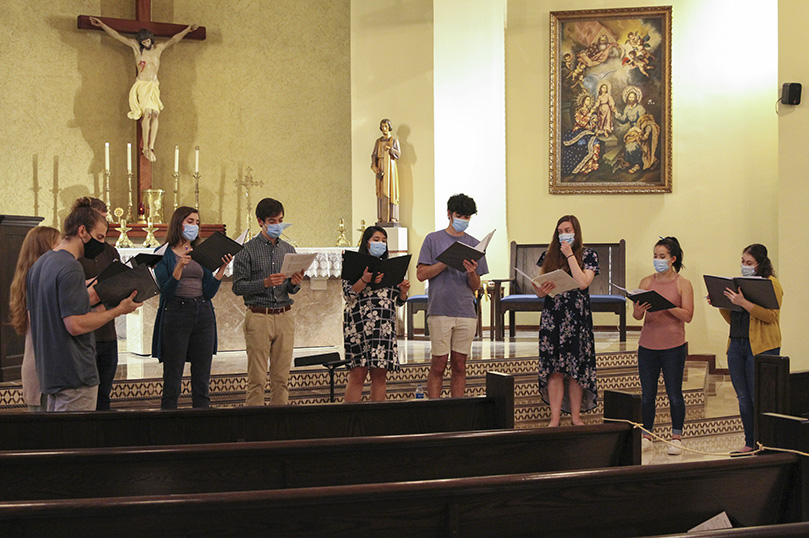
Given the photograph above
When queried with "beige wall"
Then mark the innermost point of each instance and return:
(269, 89)
(392, 77)
(725, 148)
(793, 218)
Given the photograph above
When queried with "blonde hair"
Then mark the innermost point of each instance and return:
(37, 242)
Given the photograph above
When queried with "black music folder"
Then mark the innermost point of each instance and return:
(146, 259)
(758, 290)
(656, 301)
(115, 289)
(394, 269)
(210, 252)
(458, 252)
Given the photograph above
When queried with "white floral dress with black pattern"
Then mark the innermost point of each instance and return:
(566, 341)
(369, 327)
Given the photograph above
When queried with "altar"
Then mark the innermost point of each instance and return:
(318, 308)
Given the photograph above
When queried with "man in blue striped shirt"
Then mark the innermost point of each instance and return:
(269, 325)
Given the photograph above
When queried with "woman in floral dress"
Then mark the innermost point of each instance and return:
(567, 362)
(369, 323)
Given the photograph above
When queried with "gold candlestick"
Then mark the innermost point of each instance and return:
(248, 182)
(342, 240)
(129, 207)
(176, 176)
(123, 239)
(196, 190)
(150, 241)
(107, 194)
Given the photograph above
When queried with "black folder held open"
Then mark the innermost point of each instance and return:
(656, 301)
(116, 288)
(394, 269)
(756, 289)
(210, 252)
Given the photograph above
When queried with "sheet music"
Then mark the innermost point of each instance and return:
(484, 243)
(563, 282)
(294, 263)
(241, 238)
(719, 521)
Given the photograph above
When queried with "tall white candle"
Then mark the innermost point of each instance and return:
(106, 156)
(196, 160)
(129, 158)
(176, 159)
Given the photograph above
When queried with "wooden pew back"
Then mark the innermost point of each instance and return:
(28, 431)
(628, 501)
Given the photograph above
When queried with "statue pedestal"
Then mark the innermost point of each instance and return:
(397, 239)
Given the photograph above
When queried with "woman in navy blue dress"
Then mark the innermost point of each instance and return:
(567, 361)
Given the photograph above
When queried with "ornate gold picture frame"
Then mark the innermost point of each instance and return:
(610, 101)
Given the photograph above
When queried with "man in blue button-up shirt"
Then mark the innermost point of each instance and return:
(269, 326)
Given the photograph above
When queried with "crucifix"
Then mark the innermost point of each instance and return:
(143, 90)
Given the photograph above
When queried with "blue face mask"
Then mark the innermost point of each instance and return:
(190, 231)
(748, 270)
(377, 248)
(567, 238)
(459, 225)
(661, 265)
(275, 230)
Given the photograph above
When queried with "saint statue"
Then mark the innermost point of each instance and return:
(383, 163)
(144, 97)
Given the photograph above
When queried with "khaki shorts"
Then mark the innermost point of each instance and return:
(447, 333)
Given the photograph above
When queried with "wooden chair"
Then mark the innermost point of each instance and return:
(521, 296)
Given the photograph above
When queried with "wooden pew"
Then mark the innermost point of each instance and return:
(28, 431)
(625, 501)
(110, 472)
(777, 390)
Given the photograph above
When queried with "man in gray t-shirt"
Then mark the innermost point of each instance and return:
(450, 298)
(62, 324)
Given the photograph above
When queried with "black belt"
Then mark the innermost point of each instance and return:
(262, 310)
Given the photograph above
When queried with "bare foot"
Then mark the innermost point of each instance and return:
(152, 155)
(577, 422)
(553, 424)
(145, 152)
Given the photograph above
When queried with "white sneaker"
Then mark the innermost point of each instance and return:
(675, 448)
(645, 444)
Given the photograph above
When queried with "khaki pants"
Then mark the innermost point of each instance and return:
(268, 337)
(80, 399)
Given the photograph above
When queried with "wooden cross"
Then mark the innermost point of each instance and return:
(143, 19)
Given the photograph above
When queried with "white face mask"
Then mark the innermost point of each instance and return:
(749, 270)
(567, 238)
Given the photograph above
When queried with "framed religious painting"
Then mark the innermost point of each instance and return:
(610, 101)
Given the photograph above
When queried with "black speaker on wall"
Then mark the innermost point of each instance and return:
(791, 93)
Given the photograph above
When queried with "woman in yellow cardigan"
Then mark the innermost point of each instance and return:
(753, 331)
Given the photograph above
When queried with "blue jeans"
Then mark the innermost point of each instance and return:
(188, 336)
(107, 362)
(742, 368)
(672, 363)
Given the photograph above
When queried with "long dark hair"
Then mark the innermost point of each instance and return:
(553, 257)
(174, 233)
(675, 251)
(763, 263)
(366, 236)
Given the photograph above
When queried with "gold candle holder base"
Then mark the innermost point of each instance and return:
(123, 239)
(342, 240)
(150, 241)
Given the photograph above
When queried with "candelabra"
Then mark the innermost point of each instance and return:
(176, 176)
(248, 182)
(107, 193)
(123, 239)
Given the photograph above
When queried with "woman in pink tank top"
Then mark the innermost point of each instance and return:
(662, 345)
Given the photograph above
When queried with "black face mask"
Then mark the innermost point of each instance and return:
(93, 248)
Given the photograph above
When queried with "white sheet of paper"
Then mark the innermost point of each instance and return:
(241, 238)
(162, 250)
(719, 521)
(563, 282)
(294, 263)
(481, 246)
